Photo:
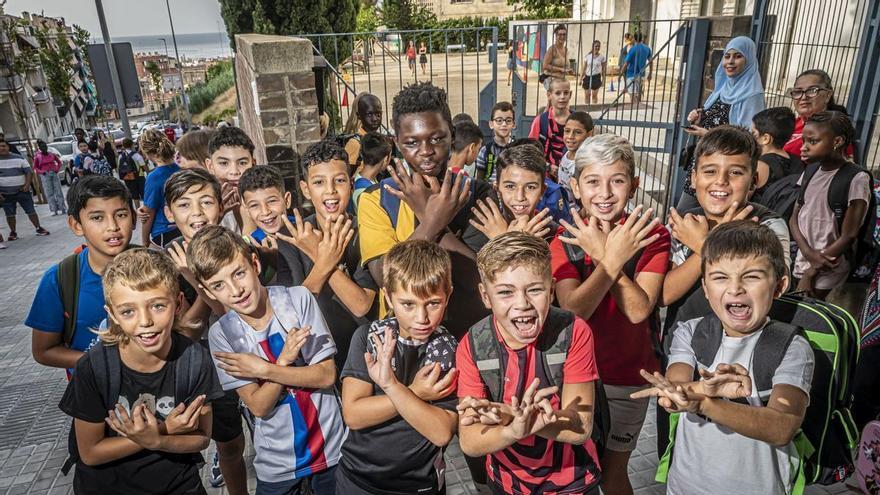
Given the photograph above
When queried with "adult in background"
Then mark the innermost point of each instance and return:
(15, 189)
(595, 65)
(47, 165)
(624, 49)
(511, 60)
(737, 97)
(812, 93)
(106, 148)
(555, 64)
(636, 68)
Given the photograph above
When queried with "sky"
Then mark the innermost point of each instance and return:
(129, 17)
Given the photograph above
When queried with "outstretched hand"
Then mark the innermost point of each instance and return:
(672, 397)
(379, 367)
(728, 381)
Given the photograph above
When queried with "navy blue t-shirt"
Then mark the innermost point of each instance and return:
(154, 197)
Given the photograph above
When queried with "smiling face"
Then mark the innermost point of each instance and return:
(574, 135)
(741, 290)
(519, 298)
(237, 285)
(502, 124)
(107, 225)
(425, 141)
(734, 63)
(145, 316)
(267, 208)
(721, 180)
(819, 143)
(520, 190)
(806, 106)
(604, 190)
(328, 187)
(229, 162)
(197, 208)
(417, 317)
(559, 94)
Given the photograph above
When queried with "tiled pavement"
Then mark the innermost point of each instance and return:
(33, 431)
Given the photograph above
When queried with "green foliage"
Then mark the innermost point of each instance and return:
(218, 69)
(367, 18)
(81, 38)
(405, 14)
(544, 9)
(155, 74)
(55, 57)
(202, 95)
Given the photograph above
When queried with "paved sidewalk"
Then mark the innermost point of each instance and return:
(33, 431)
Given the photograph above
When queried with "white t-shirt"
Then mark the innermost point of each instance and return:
(593, 64)
(565, 172)
(712, 459)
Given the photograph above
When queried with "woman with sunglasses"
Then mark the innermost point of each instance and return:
(812, 93)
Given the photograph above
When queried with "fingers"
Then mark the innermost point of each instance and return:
(397, 193)
(744, 213)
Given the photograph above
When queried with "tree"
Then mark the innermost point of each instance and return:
(545, 9)
(367, 18)
(155, 74)
(14, 67)
(55, 56)
(286, 18)
(406, 14)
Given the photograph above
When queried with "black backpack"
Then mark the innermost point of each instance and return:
(780, 196)
(127, 165)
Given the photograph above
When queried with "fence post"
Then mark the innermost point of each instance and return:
(759, 17)
(864, 93)
(695, 50)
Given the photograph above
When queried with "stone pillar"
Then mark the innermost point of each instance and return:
(279, 103)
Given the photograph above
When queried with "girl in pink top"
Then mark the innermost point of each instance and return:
(48, 166)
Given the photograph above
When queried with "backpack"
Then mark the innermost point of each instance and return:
(828, 433)
(552, 347)
(101, 166)
(557, 200)
(127, 165)
(106, 367)
(864, 254)
(780, 196)
(868, 459)
(871, 313)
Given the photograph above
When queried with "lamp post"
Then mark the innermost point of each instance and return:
(177, 56)
(176, 104)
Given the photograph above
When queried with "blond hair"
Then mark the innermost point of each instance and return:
(422, 267)
(138, 269)
(511, 250)
(212, 248)
(156, 145)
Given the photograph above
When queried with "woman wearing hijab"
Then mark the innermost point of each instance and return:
(738, 96)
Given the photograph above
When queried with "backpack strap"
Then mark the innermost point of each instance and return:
(838, 191)
(389, 202)
(107, 369)
(554, 342)
(486, 352)
(68, 283)
(187, 368)
(809, 172)
(706, 341)
(544, 130)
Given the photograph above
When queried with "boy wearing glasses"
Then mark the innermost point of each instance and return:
(502, 124)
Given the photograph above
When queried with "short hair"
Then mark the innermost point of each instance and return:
(127, 142)
(511, 250)
(230, 136)
(374, 148)
(95, 186)
(260, 177)
(560, 27)
(777, 122)
(556, 80)
(465, 134)
(502, 106)
(212, 248)
(420, 266)
(605, 149)
(461, 118)
(729, 140)
(93, 146)
(743, 238)
(82, 141)
(638, 37)
(837, 122)
(138, 269)
(530, 158)
(583, 117)
(3, 140)
(323, 151)
(181, 181)
(526, 142)
(154, 143)
(194, 145)
(418, 98)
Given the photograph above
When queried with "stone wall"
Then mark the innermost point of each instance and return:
(278, 99)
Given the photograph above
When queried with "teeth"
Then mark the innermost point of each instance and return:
(718, 194)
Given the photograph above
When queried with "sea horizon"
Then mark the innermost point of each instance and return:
(189, 45)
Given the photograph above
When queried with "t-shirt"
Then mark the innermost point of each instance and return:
(47, 310)
(154, 197)
(392, 457)
(293, 268)
(146, 471)
(46, 162)
(778, 167)
(637, 59)
(487, 158)
(622, 347)
(304, 433)
(565, 173)
(553, 143)
(13, 171)
(819, 227)
(535, 464)
(593, 64)
(709, 458)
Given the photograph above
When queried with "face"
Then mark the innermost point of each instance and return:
(417, 316)
(520, 190)
(425, 141)
(597, 47)
(819, 143)
(574, 134)
(106, 224)
(198, 207)
(561, 36)
(229, 162)
(502, 124)
(267, 208)
(370, 113)
(721, 180)
(559, 94)
(328, 187)
(4, 148)
(604, 190)
(237, 285)
(734, 63)
(79, 134)
(806, 105)
(741, 291)
(519, 298)
(145, 316)
(83, 148)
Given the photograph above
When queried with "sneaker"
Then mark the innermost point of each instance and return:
(2, 245)
(216, 476)
(13, 236)
(42, 231)
(54, 213)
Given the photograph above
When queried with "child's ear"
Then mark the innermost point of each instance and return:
(288, 198)
(304, 187)
(590, 132)
(168, 213)
(838, 143)
(110, 314)
(74, 226)
(781, 286)
(485, 296)
(573, 183)
(255, 261)
(635, 186)
(179, 309)
(209, 165)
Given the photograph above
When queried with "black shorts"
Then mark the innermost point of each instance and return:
(226, 418)
(592, 82)
(423, 59)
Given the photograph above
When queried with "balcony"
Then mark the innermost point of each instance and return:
(10, 84)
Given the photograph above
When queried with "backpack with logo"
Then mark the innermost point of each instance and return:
(101, 166)
(557, 200)
(552, 348)
(828, 433)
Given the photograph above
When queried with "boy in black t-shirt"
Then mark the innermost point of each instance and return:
(398, 382)
(151, 437)
(773, 128)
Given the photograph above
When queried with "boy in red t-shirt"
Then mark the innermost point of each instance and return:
(609, 269)
(537, 436)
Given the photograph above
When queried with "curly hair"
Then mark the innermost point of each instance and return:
(230, 136)
(418, 98)
(260, 177)
(322, 152)
(156, 145)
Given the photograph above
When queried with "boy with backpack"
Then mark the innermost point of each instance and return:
(529, 403)
(95, 161)
(738, 382)
(69, 301)
(465, 145)
(131, 171)
(375, 150)
(549, 127)
(502, 123)
(399, 382)
(773, 128)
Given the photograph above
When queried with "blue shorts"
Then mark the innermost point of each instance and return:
(23, 198)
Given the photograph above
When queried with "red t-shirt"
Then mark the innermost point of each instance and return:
(535, 464)
(622, 347)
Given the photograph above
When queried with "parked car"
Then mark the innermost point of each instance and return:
(66, 151)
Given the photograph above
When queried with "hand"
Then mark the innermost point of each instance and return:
(674, 398)
(302, 235)
(807, 283)
(695, 130)
(735, 213)
(625, 240)
(728, 381)
(532, 413)
(819, 260)
(488, 219)
(483, 411)
(141, 427)
(428, 386)
(184, 419)
(229, 197)
(589, 236)
(690, 230)
(695, 115)
(379, 367)
(296, 339)
(243, 365)
(537, 225)
(432, 203)
(177, 252)
(26, 187)
(142, 214)
(337, 234)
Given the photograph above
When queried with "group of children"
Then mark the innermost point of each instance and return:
(362, 338)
